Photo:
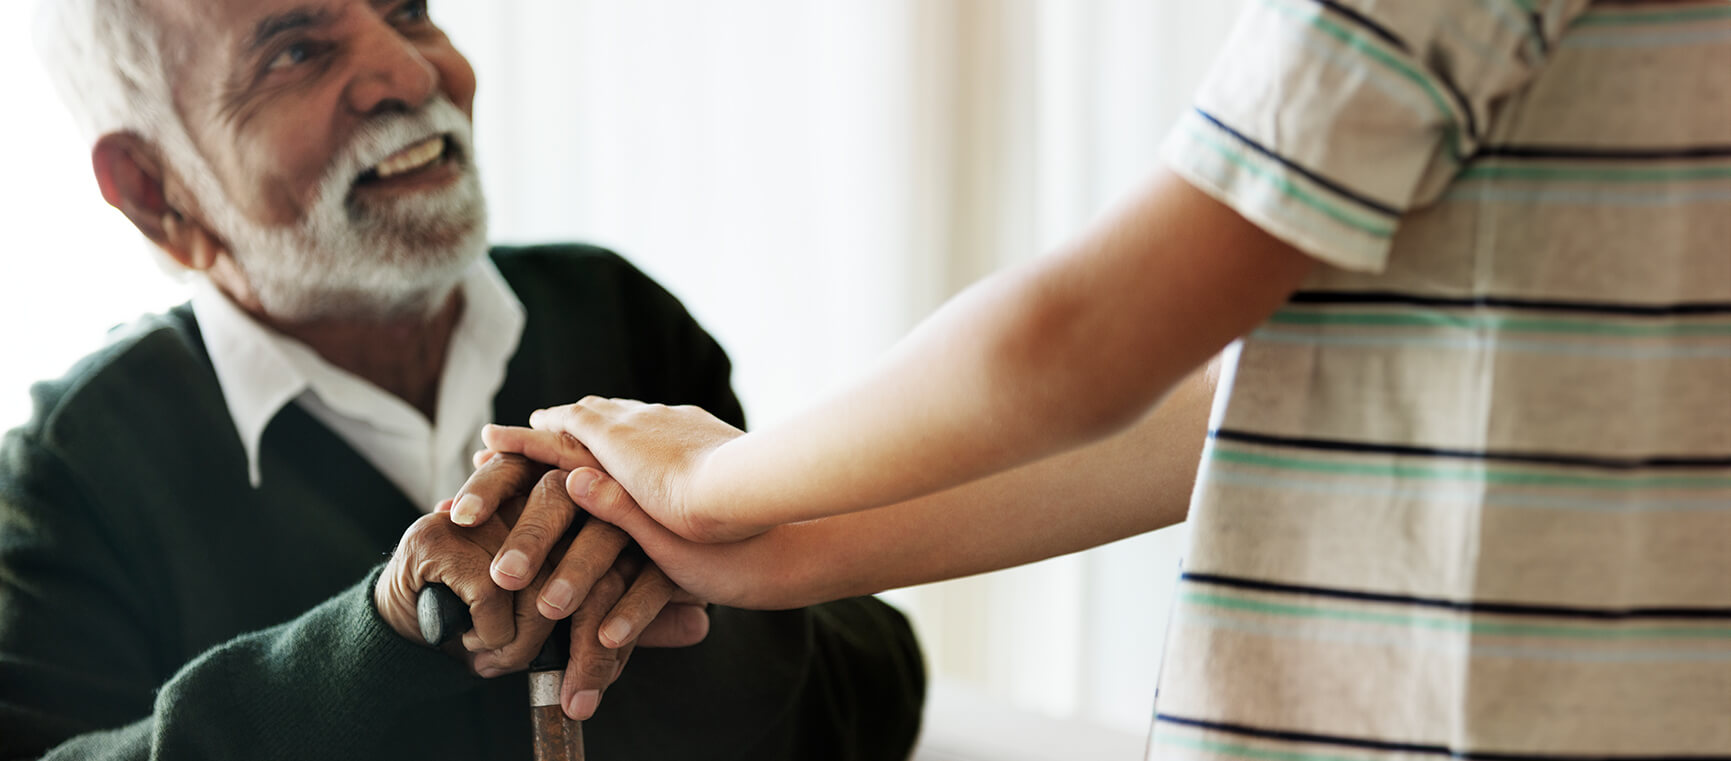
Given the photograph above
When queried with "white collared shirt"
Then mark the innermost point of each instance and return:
(261, 371)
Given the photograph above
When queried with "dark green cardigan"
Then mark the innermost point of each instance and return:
(154, 604)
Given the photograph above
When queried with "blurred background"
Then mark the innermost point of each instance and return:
(811, 177)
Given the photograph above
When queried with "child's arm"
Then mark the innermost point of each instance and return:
(1127, 484)
(1034, 361)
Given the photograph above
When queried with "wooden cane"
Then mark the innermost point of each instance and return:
(444, 617)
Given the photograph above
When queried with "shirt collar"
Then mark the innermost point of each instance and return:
(260, 370)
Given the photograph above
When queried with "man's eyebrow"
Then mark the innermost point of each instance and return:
(278, 24)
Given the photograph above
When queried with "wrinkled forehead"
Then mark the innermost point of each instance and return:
(210, 38)
(203, 26)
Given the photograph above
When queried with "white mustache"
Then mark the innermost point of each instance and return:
(382, 137)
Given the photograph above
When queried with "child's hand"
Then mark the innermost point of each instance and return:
(657, 453)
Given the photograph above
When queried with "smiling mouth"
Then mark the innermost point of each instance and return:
(419, 157)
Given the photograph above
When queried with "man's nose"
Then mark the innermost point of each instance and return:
(390, 73)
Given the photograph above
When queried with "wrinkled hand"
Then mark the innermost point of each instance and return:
(528, 511)
(656, 452)
(435, 550)
(614, 597)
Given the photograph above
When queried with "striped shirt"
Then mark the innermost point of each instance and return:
(1469, 494)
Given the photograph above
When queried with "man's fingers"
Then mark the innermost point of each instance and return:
(532, 630)
(552, 447)
(489, 609)
(480, 458)
(444, 553)
(591, 554)
(500, 478)
(604, 498)
(656, 613)
(435, 551)
(679, 625)
(509, 512)
(642, 603)
(592, 667)
(546, 514)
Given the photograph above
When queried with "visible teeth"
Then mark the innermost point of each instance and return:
(411, 158)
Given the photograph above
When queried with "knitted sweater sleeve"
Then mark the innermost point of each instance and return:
(88, 667)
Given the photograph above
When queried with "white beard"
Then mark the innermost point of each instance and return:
(348, 260)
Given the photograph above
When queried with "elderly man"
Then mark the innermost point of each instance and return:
(191, 525)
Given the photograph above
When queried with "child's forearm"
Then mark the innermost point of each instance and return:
(1029, 363)
(1136, 481)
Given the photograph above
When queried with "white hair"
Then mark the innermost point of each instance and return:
(107, 58)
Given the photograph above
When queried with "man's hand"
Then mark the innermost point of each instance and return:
(614, 597)
(435, 550)
(508, 631)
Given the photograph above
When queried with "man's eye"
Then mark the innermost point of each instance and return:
(291, 55)
(413, 12)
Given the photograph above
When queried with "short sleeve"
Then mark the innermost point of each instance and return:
(1325, 121)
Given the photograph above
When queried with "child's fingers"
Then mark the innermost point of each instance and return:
(590, 410)
(554, 448)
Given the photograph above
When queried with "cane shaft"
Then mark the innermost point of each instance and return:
(444, 616)
(557, 736)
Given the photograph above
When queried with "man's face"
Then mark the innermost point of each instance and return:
(336, 134)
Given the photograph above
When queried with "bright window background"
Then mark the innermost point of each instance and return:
(810, 176)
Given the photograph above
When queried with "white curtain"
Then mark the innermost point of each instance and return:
(811, 177)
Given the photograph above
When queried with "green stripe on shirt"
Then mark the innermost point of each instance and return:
(1375, 52)
(1280, 181)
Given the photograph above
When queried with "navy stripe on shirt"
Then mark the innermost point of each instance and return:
(1387, 35)
(1576, 153)
(1493, 608)
(1337, 188)
(1524, 458)
(1364, 22)
(1691, 309)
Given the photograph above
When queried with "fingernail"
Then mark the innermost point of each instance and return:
(616, 630)
(489, 672)
(584, 702)
(535, 417)
(557, 595)
(580, 482)
(514, 564)
(467, 509)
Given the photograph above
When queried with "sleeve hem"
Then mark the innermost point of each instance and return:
(1258, 196)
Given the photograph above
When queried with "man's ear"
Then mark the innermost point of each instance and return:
(130, 173)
